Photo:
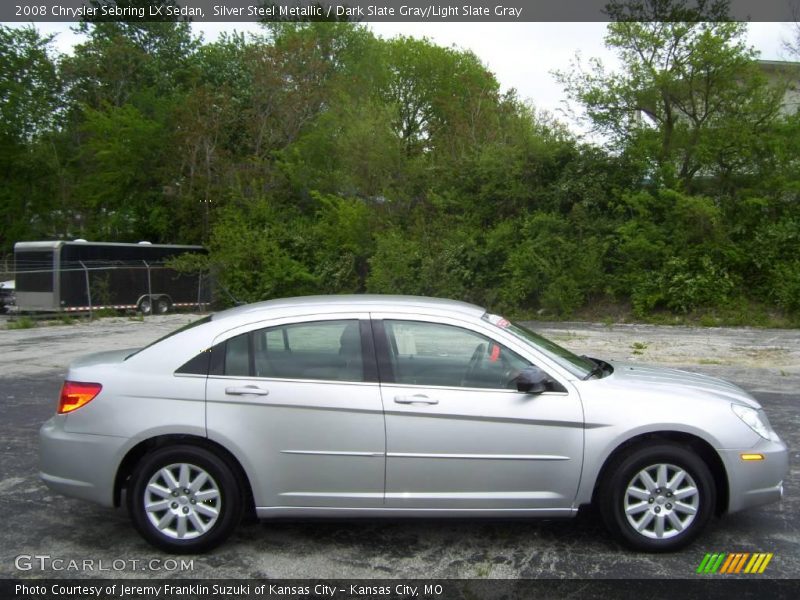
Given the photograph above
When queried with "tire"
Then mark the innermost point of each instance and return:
(146, 306)
(162, 305)
(176, 521)
(657, 498)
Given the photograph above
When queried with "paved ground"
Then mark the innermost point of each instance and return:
(38, 523)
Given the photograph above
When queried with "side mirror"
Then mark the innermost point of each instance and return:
(532, 380)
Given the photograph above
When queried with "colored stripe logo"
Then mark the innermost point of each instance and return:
(734, 563)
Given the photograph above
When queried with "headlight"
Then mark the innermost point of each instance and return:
(756, 420)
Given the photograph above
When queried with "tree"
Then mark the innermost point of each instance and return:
(138, 62)
(124, 89)
(689, 99)
(792, 45)
(29, 84)
(439, 94)
(29, 110)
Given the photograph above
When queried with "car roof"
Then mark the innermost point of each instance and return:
(355, 302)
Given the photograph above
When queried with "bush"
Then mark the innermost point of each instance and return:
(682, 285)
(549, 266)
(23, 322)
(256, 254)
(786, 286)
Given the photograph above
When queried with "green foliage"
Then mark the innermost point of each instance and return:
(30, 90)
(29, 84)
(689, 100)
(318, 158)
(255, 253)
(342, 228)
(786, 285)
(21, 323)
(396, 266)
(552, 267)
(124, 151)
(682, 285)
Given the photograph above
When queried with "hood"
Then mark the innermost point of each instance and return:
(109, 357)
(662, 380)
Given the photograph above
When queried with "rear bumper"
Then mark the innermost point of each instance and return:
(753, 483)
(77, 464)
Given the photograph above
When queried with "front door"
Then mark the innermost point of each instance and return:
(459, 435)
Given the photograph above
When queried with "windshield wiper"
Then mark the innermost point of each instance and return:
(598, 369)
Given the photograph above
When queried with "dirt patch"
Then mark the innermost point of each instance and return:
(759, 359)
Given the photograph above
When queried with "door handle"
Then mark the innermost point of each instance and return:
(415, 399)
(246, 390)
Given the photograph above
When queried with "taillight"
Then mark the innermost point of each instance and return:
(75, 394)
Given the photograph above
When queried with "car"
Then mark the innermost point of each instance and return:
(368, 405)
(7, 296)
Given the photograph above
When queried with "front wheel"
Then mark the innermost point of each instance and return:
(184, 499)
(657, 498)
(145, 306)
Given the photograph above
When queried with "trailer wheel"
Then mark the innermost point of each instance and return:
(163, 305)
(145, 306)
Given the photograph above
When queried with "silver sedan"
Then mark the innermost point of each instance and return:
(399, 406)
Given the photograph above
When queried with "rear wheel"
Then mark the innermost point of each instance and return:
(162, 305)
(657, 498)
(184, 499)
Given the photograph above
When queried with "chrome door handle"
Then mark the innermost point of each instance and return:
(246, 390)
(415, 399)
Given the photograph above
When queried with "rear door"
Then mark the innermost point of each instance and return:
(300, 404)
(458, 433)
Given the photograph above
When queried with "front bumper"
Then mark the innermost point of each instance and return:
(757, 482)
(78, 464)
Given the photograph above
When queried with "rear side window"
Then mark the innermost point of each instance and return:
(326, 350)
(197, 365)
(191, 325)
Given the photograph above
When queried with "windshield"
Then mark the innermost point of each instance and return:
(171, 333)
(573, 363)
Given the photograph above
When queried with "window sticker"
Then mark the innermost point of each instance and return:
(498, 321)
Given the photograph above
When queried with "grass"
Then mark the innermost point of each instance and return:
(63, 320)
(21, 323)
(638, 347)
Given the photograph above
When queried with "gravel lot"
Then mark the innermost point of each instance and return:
(32, 365)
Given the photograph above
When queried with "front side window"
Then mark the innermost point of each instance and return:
(329, 350)
(443, 355)
(577, 365)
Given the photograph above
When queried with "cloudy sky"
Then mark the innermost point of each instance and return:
(522, 55)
